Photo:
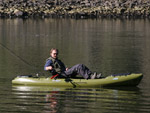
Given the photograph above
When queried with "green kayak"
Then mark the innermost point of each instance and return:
(111, 81)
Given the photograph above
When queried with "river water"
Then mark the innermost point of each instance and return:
(109, 46)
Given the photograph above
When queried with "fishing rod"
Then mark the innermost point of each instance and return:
(17, 56)
(20, 58)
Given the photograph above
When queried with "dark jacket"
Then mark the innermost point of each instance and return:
(58, 65)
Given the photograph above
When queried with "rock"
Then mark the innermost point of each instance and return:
(18, 12)
(75, 8)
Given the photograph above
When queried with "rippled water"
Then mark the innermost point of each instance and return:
(107, 46)
(73, 100)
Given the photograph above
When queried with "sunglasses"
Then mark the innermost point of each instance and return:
(55, 53)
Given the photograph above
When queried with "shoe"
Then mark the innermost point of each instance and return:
(99, 75)
(93, 76)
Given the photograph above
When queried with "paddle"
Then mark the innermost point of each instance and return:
(66, 79)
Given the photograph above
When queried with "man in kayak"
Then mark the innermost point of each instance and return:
(56, 66)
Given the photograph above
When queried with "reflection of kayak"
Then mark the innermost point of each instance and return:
(36, 88)
(113, 80)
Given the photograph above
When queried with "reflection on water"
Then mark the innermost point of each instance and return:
(104, 45)
(52, 100)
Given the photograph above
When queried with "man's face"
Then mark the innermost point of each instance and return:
(54, 54)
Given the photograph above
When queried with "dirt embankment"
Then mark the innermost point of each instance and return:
(75, 8)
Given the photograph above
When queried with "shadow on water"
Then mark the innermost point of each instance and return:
(73, 100)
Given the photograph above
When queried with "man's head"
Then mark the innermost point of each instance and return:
(54, 53)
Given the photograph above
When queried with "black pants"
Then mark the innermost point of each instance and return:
(78, 69)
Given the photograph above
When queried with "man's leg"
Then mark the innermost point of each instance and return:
(79, 69)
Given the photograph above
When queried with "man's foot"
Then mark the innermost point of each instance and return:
(99, 75)
(93, 76)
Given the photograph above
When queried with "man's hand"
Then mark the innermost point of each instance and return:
(49, 68)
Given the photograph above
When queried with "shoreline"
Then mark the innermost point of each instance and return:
(75, 9)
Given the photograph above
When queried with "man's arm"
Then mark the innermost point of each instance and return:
(48, 65)
(63, 65)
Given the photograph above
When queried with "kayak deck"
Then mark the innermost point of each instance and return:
(123, 80)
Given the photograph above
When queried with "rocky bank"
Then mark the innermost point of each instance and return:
(75, 8)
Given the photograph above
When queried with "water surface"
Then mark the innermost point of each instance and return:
(107, 46)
